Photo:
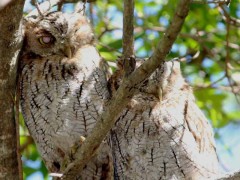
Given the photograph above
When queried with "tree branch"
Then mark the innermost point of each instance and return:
(211, 2)
(126, 92)
(47, 5)
(10, 44)
(226, 16)
(127, 64)
(44, 7)
(128, 38)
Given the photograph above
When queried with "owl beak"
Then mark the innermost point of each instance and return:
(67, 51)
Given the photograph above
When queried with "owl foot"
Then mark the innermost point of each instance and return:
(70, 156)
(76, 146)
(125, 66)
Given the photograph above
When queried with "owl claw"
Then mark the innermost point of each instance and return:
(73, 151)
(76, 146)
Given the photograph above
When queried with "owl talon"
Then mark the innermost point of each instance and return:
(127, 65)
(70, 157)
(76, 146)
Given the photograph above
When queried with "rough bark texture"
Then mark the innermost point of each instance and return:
(10, 43)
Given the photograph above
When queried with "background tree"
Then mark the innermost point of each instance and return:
(208, 45)
(10, 44)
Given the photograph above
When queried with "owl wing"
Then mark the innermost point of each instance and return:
(187, 137)
(202, 132)
(146, 140)
(199, 126)
(170, 139)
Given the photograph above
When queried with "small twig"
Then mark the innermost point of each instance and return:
(198, 37)
(83, 8)
(235, 89)
(91, 14)
(84, 5)
(37, 6)
(227, 60)
(59, 5)
(231, 20)
(110, 49)
(210, 84)
(211, 2)
(44, 7)
(106, 30)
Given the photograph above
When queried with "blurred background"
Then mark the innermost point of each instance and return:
(208, 45)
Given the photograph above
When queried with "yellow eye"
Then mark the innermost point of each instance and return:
(45, 40)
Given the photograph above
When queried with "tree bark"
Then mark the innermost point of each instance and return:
(10, 44)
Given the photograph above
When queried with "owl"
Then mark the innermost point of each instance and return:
(162, 134)
(63, 89)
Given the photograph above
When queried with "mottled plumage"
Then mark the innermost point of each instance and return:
(63, 89)
(162, 134)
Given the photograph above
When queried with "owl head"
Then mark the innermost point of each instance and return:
(56, 33)
(170, 77)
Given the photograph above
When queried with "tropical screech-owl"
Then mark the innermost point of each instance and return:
(162, 134)
(63, 88)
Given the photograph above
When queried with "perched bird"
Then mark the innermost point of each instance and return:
(63, 89)
(162, 134)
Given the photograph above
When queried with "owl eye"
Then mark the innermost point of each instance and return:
(45, 40)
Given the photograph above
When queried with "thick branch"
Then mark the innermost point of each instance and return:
(10, 44)
(126, 92)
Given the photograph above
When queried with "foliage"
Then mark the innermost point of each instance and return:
(208, 45)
